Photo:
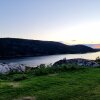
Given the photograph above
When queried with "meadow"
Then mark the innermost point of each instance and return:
(60, 83)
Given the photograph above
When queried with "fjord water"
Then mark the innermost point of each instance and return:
(34, 61)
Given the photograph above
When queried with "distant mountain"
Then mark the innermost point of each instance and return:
(13, 47)
(97, 46)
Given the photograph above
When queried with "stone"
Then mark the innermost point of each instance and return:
(78, 61)
(12, 67)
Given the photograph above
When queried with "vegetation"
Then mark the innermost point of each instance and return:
(11, 47)
(65, 82)
(98, 60)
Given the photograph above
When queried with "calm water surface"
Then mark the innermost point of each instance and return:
(34, 61)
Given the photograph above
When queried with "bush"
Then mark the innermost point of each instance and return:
(66, 67)
(98, 60)
(40, 70)
(3, 77)
(19, 77)
(45, 70)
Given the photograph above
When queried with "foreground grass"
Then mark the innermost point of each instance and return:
(83, 84)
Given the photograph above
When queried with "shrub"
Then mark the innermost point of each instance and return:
(98, 60)
(3, 77)
(41, 71)
(19, 77)
(66, 67)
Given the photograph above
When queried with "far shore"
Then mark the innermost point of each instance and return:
(28, 56)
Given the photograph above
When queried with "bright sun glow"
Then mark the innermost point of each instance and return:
(84, 32)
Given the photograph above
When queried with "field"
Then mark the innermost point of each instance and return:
(82, 84)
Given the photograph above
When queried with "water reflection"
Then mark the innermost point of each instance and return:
(34, 61)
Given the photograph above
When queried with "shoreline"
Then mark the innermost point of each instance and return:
(28, 56)
(13, 67)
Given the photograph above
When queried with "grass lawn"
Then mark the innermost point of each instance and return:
(83, 84)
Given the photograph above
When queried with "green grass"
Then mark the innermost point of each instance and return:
(83, 84)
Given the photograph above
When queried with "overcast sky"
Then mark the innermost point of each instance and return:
(68, 21)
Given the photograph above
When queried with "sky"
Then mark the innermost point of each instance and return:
(67, 21)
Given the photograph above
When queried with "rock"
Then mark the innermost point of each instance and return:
(7, 68)
(4, 69)
(78, 61)
(27, 98)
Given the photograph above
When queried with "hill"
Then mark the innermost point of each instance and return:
(13, 47)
